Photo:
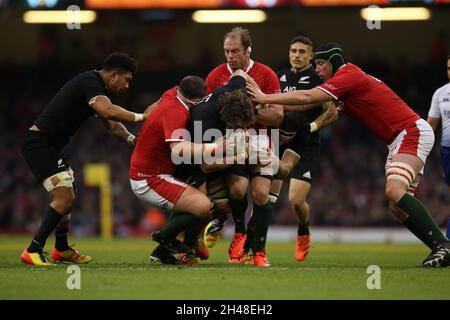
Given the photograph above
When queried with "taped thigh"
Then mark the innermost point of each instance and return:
(413, 186)
(401, 171)
(218, 193)
(61, 179)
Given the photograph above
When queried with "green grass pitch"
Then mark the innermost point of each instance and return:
(121, 271)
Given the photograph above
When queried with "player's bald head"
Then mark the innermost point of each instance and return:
(193, 87)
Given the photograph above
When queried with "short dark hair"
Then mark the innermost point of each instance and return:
(121, 61)
(448, 57)
(243, 34)
(192, 87)
(302, 39)
(235, 108)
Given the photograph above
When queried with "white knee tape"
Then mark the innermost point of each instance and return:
(61, 179)
(401, 171)
(273, 198)
(412, 188)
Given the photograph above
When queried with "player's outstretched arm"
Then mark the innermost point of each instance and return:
(299, 97)
(302, 107)
(118, 130)
(104, 108)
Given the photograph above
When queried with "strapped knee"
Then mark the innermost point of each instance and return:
(412, 188)
(60, 179)
(403, 172)
(219, 193)
(273, 197)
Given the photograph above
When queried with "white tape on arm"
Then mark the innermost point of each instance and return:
(138, 117)
(130, 138)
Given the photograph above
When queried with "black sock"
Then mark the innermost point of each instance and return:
(61, 232)
(303, 229)
(178, 222)
(250, 234)
(48, 224)
(192, 234)
(238, 208)
(262, 217)
(190, 237)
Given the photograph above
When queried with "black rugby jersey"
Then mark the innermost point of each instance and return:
(207, 112)
(301, 80)
(69, 108)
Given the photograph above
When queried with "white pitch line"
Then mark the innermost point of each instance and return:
(150, 268)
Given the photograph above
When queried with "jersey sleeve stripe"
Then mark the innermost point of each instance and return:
(174, 140)
(327, 92)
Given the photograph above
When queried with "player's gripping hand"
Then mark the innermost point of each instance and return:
(255, 92)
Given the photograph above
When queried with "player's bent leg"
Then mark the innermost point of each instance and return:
(191, 207)
(63, 198)
(188, 205)
(260, 189)
(218, 192)
(401, 173)
(194, 202)
(237, 186)
(262, 215)
(298, 191)
(288, 161)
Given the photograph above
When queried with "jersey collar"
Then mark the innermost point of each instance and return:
(304, 69)
(182, 102)
(250, 65)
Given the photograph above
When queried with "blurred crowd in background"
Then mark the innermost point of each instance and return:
(347, 191)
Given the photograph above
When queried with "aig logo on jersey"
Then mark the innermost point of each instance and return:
(289, 88)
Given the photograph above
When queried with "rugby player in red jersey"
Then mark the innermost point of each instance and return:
(408, 137)
(237, 49)
(161, 140)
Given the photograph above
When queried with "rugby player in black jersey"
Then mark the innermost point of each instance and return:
(301, 154)
(84, 96)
